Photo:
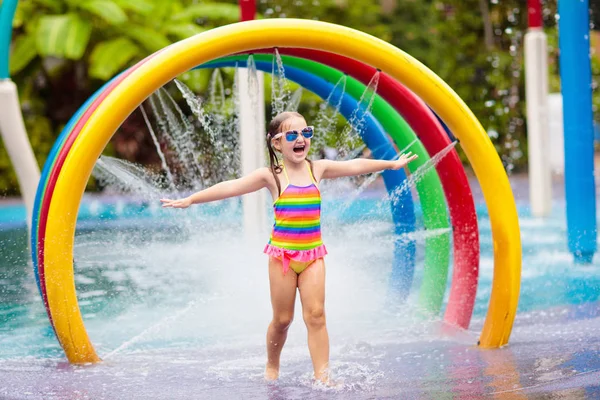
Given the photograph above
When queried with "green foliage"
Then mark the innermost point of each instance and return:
(24, 51)
(64, 35)
(107, 10)
(141, 7)
(449, 37)
(110, 55)
(64, 50)
(214, 12)
(69, 29)
(151, 40)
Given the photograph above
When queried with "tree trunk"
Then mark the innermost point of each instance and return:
(487, 24)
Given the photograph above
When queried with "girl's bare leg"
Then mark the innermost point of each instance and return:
(283, 298)
(311, 283)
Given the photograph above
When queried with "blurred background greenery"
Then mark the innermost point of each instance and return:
(64, 50)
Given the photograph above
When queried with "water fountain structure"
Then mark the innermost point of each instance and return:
(318, 56)
(52, 242)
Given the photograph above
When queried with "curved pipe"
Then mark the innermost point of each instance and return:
(235, 38)
(432, 134)
(428, 186)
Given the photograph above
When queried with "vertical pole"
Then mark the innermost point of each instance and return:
(12, 128)
(536, 92)
(7, 13)
(247, 10)
(576, 87)
(252, 138)
(534, 14)
(14, 136)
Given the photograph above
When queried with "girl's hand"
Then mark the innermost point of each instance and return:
(403, 160)
(181, 203)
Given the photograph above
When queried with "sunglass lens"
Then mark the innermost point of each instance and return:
(291, 136)
(308, 132)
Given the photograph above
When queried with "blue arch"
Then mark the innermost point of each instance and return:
(381, 147)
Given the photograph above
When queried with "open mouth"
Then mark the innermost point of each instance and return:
(299, 149)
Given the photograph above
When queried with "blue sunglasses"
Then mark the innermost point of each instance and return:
(292, 135)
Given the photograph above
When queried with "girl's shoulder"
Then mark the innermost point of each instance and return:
(265, 171)
(318, 166)
(267, 174)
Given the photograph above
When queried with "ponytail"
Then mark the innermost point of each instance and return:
(274, 163)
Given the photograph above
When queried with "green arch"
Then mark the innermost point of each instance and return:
(429, 187)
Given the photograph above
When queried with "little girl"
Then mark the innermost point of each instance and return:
(295, 242)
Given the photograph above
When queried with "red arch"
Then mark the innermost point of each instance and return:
(450, 170)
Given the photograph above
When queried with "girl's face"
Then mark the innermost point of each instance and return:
(296, 150)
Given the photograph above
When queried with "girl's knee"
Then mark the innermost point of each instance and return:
(282, 322)
(314, 317)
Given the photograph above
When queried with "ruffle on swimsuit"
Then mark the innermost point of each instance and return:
(296, 255)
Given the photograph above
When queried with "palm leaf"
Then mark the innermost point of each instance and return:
(50, 33)
(23, 52)
(63, 36)
(77, 38)
(111, 56)
(105, 9)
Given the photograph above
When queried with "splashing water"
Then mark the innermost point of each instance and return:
(350, 136)
(253, 87)
(367, 182)
(416, 176)
(123, 176)
(195, 104)
(329, 110)
(222, 112)
(191, 156)
(216, 95)
(177, 131)
(181, 124)
(169, 319)
(220, 145)
(295, 99)
(161, 155)
(280, 92)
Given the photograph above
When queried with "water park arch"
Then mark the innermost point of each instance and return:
(182, 56)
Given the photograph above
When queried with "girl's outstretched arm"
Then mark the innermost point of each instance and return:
(336, 169)
(236, 187)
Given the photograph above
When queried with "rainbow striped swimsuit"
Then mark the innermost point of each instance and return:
(296, 236)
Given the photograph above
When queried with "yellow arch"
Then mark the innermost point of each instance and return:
(184, 55)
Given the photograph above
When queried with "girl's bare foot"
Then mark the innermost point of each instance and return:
(323, 376)
(271, 373)
(324, 380)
